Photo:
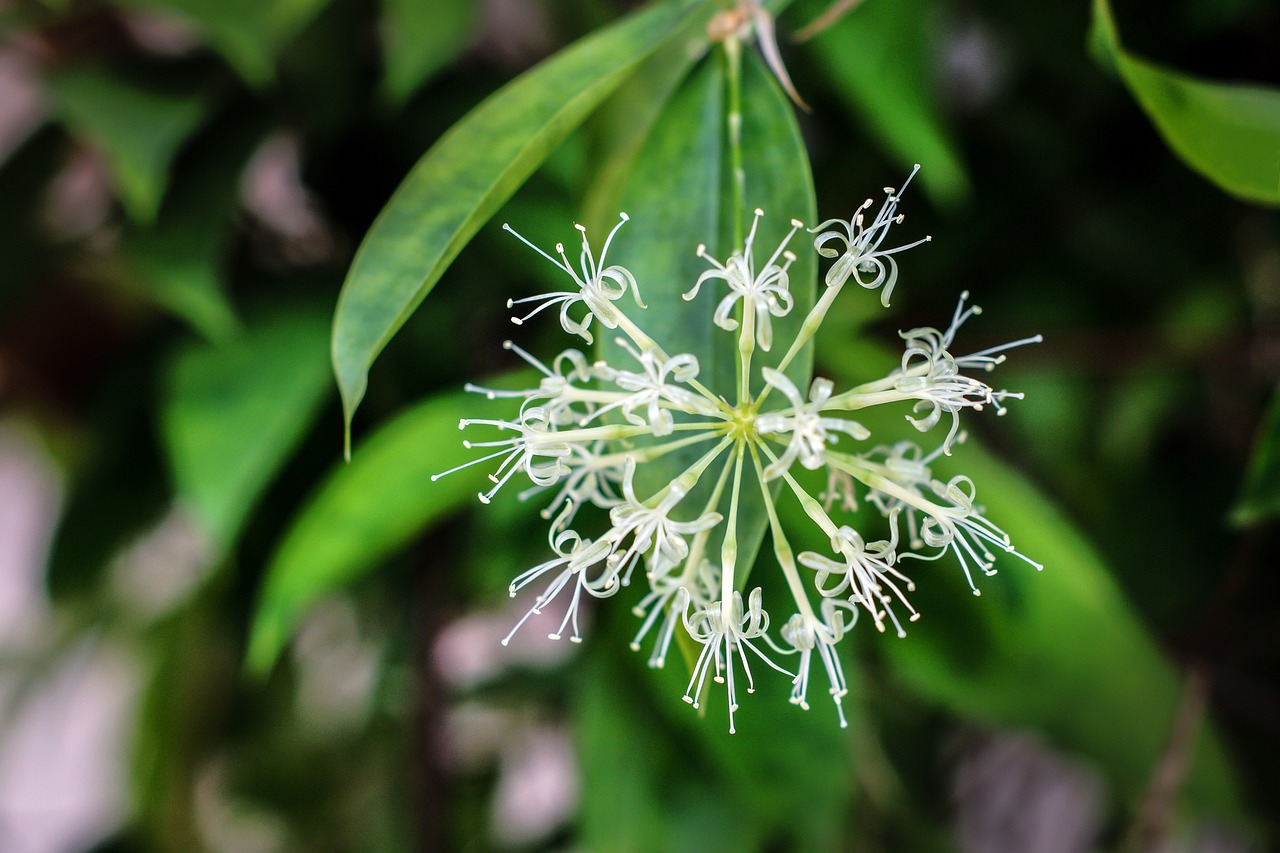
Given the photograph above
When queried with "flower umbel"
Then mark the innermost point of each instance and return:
(588, 429)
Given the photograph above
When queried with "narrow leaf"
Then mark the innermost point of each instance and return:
(877, 58)
(466, 176)
(1059, 651)
(682, 193)
(363, 511)
(1228, 132)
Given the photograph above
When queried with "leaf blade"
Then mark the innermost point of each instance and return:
(876, 60)
(363, 511)
(681, 193)
(1228, 132)
(463, 179)
(1061, 651)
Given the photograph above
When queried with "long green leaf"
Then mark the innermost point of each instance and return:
(681, 193)
(364, 510)
(620, 128)
(877, 59)
(785, 774)
(1230, 133)
(233, 412)
(467, 175)
(1060, 652)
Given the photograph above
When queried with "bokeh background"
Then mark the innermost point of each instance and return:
(183, 184)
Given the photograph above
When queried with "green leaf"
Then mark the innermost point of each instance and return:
(1229, 133)
(674, 200)
(363, 511)
(619, 129)
(232, 414)
(248, 33)
(1060, 652)
(466, 177)
(139, 128)
(878, 59)
(785, 776)
(784, 781)
(681, 193)
(418, 39)
(1260, 497)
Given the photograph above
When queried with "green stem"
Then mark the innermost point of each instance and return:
(782, 548)
(729, 549)
(733, 73)
(699, 545)
(807, 330)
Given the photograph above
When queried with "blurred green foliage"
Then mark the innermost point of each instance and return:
(179, 212)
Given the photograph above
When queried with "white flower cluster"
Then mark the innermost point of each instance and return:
(583, 433)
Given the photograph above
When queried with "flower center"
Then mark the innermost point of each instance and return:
(743, 426)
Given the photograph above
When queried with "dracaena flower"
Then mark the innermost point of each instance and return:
(764, 293)
(725, 630)
(810, 432)
(593, 434)
(860, 255)
(865, 574)
(595, 285)
(808, 634)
